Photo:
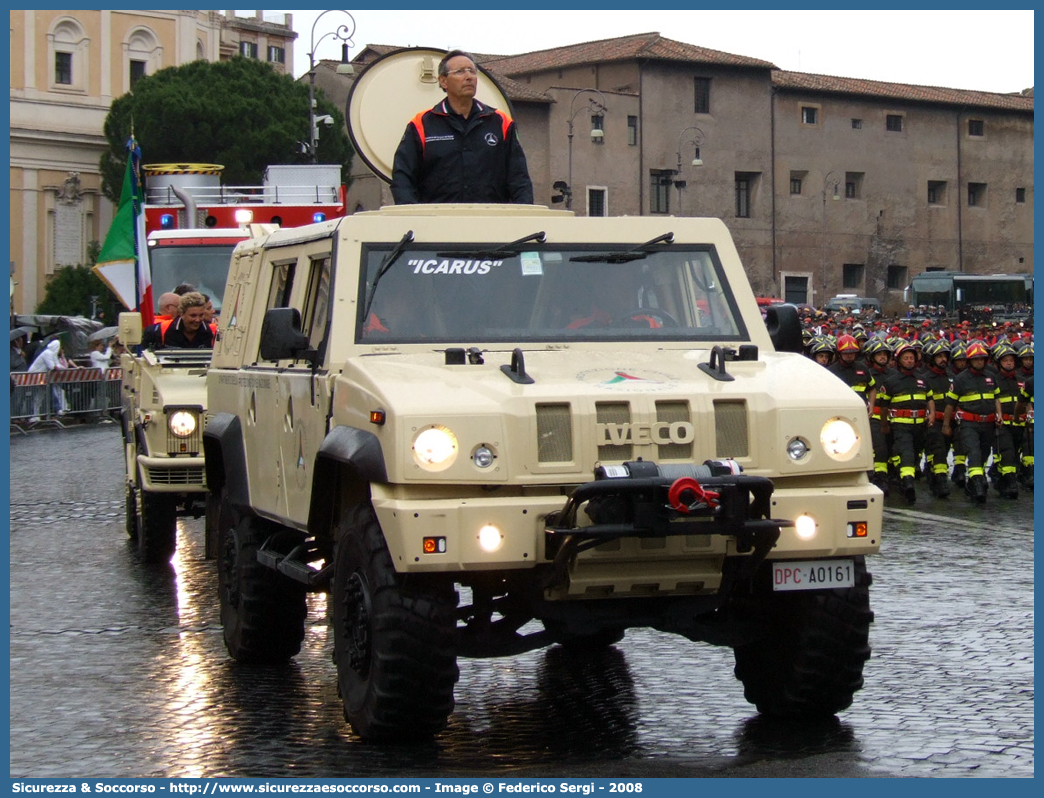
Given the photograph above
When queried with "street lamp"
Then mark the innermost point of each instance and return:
(696, 140)
(598, 106)
(343, 32)
(831, 176)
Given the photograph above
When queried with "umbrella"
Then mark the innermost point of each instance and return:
(103, 333)
(18, 332)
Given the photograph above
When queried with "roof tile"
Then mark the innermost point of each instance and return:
(827, 84)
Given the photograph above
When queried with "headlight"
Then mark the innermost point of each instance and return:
(797, 448)
(840, 439)
(182, 423)
(435, 448)
(483, 456)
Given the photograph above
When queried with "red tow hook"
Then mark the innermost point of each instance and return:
(686, 493)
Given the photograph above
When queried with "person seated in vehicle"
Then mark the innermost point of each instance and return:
(189, 330)
(612, 299)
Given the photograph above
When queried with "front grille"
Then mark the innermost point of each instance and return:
(730, 428)
(669, 413)
(614, 413)
(183, 475)
(554, 433)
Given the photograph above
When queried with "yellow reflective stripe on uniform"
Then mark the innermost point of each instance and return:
(971, 397)
(908, 397)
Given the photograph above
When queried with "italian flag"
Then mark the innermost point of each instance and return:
(123, 263)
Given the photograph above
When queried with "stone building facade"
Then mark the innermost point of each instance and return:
(67, 67)
(924, 177)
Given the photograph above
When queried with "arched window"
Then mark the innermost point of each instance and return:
(142, 55)
(68, 46)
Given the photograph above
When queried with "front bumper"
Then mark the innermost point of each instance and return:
(172, 474)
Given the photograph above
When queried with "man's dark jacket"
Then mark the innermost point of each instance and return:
(175, 337)
(444, 157)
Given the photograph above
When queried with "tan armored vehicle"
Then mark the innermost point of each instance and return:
(463, 420)
(163, 398)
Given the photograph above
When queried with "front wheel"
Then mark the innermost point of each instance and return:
(131, 507)
(157, 526)
(808, 659)
(394, 638)
(262, 611)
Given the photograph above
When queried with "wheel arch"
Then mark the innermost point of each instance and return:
(348, 457)
(224, 458)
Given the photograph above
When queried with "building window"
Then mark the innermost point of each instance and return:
(598, 128)
(276, 55)
(896, 277)
(853, 185)
(894, 123)
(976, 127)
(744, 191)
(857, 124)
(976, 194)
(797, 182)
(660, 190)
(63, 68)
(809, 115)
(248, 49)
(1020, 195)
(137, 71)
(142, 54)
(702, 87)
(852, 275)
(936, 192)
(632, 130)
(596, 202)
(68, 56)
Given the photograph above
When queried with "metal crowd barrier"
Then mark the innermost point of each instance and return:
(57, 397)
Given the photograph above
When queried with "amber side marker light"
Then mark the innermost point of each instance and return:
(377, 417)
(857, 529)
(434, 545)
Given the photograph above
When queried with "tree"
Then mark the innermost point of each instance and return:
(70, 290)
(239, 113)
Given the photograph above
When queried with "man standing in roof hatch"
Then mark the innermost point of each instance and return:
(462, 150)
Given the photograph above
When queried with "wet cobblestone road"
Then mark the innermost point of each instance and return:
(119, 670)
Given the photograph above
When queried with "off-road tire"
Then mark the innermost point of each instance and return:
(131, 505)
(157, 526)
(262, 612)
(808, 660)
(394, 638)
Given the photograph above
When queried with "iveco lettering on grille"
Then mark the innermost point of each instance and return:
(660, 432)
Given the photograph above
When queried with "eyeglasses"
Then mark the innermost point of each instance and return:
(459, 73)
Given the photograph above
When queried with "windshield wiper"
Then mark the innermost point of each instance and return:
(637, 253)
(386, 264)
(509, 250)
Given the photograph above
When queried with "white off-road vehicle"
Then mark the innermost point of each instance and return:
(462, 420)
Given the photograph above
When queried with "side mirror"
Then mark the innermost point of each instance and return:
(282, 338)
(130, 328)
(784, 328)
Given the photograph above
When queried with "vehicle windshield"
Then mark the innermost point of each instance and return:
(436, 294)
(205, 267)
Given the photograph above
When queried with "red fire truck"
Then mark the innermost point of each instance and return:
(190, 195)
(193, 222)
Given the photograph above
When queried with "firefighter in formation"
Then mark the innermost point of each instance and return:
(932, 401)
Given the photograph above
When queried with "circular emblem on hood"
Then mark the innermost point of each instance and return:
(625, 380)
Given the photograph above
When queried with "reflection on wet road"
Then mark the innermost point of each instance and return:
(120, 670)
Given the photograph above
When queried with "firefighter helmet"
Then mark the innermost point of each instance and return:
(847, 343)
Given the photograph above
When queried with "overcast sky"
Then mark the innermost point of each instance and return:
(986, 50)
